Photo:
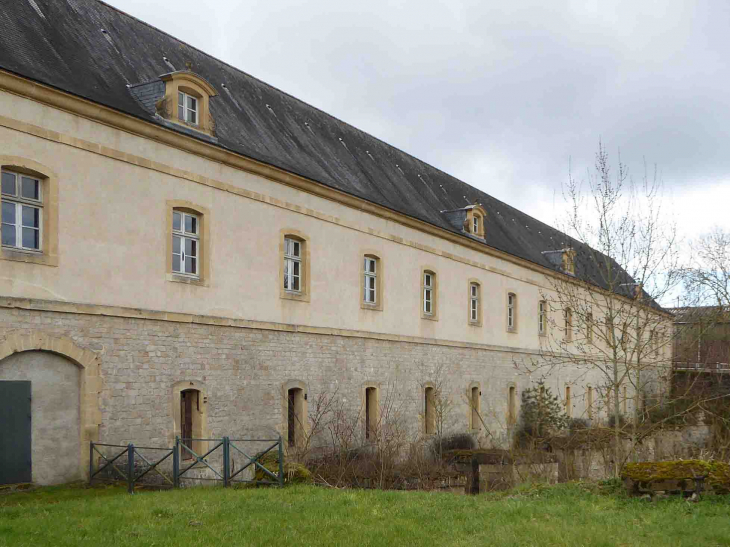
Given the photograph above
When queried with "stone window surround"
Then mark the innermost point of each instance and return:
(284, 428)
(90, 378)
(48, 255)
(201, 431)
(476, 211)
(478, 323)
(304, 281)
(470, 413)
(195, 86)
(380, 271)
(434, 315)
(204, 247)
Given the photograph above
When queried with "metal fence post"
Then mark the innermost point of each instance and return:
(226, 462)
(281, 463)
(91, 461)
(176, 464)
(130, 468)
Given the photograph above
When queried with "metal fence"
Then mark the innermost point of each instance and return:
(139, 462)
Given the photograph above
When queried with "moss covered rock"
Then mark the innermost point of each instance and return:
(294, 473)
(716, 474)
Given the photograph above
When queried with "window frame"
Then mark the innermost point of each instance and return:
(20, 203)
(303, 294)
(183, 235)
(474, 303)
(568, 324)
(511, 311)
(186, 109)
(291, 260)
(366, 255)
(203, 256)
(47, 252)
(430, 289)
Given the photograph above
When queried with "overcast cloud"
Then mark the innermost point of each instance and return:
(499, 94)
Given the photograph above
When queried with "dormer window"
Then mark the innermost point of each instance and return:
(187, 108)
(564, 259)
(187, 101)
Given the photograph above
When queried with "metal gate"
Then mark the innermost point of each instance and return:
(15, 455)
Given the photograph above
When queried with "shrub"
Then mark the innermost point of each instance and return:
(541, 415)
(622, 421)
(455, 441)
(578, 424)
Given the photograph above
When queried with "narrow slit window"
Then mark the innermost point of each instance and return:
(371, 281)
(512, 406)
(474, 302)
(475, 408)
(371, 409)
(292, 265)
(589, 327)
(429, 411)
(568, 403)
(187, 108)
(22, 211)
(185, 243)
(589, 402)
(428, 293)
(568, 324)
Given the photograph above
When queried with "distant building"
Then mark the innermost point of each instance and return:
(188, 251)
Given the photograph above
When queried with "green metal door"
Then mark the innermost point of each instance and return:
(15, 457)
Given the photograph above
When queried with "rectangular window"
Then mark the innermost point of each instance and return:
(187, 108)
(292, 265)
(511, 301)
(474, 302)
(22, 211)
(428, 293)
(568, 324)
(542, 317)
(589, 327)
(185, 243)
(371, 279)
(476, 225)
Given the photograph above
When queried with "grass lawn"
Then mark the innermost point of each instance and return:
(569, 514)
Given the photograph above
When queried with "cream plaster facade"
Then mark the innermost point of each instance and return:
(110, 289)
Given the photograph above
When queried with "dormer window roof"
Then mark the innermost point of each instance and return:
(564, 259)
(469, 219)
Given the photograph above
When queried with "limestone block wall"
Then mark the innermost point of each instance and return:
(243, 371)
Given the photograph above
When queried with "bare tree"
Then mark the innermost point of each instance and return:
(615, 260)
(708, 278)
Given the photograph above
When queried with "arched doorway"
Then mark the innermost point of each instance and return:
(40, 418)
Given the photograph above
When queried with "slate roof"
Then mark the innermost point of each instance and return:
(92, 50)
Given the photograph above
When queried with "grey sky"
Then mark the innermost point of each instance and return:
(499, 94)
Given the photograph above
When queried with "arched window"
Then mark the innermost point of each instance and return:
(191, 418)
(186, 100)
(187, 247)
(429, 410)
(568, 402)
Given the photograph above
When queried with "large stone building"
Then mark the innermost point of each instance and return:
(187, 250)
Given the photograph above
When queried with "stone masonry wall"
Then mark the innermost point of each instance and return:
(243, 371)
